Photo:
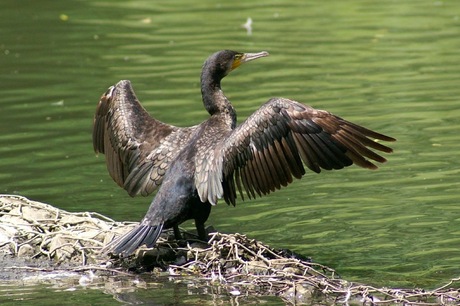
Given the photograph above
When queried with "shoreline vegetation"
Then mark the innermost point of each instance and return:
(37, 239)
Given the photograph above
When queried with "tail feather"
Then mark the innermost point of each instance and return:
(126, 245)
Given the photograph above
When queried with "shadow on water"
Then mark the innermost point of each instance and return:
(390, 66)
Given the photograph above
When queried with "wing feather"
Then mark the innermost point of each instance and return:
(275, 142)
(138, 148)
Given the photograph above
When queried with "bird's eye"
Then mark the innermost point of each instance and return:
(238, 56)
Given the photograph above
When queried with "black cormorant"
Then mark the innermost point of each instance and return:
(195, 166)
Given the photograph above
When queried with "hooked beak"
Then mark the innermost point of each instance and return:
(247, 57)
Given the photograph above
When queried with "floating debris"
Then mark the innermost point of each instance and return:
(58, 103)
(248, 26)
(64, 17)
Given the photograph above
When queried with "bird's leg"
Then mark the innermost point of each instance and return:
(200, 212)
(177, 234)
(202, 234)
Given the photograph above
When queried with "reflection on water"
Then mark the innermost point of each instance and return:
(390, 66)
(146, 290)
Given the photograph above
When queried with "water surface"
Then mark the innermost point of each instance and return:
(391, 66)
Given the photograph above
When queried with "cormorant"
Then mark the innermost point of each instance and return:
(195, 166)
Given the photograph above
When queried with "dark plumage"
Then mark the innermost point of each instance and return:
(195, 166)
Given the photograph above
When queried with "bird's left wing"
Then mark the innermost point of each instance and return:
(138, 148)
(266, 151)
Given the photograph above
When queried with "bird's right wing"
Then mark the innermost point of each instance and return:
(266, 151)
(138, 148)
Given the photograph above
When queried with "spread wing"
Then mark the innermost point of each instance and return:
(138, 148)
(271, 147)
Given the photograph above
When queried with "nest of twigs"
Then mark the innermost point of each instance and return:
(36, 230)
(234, 262)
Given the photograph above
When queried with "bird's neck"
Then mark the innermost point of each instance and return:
(215, 102)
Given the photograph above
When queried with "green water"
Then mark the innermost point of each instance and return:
(393, 66)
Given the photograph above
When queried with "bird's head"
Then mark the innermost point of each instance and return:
(222, 62)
